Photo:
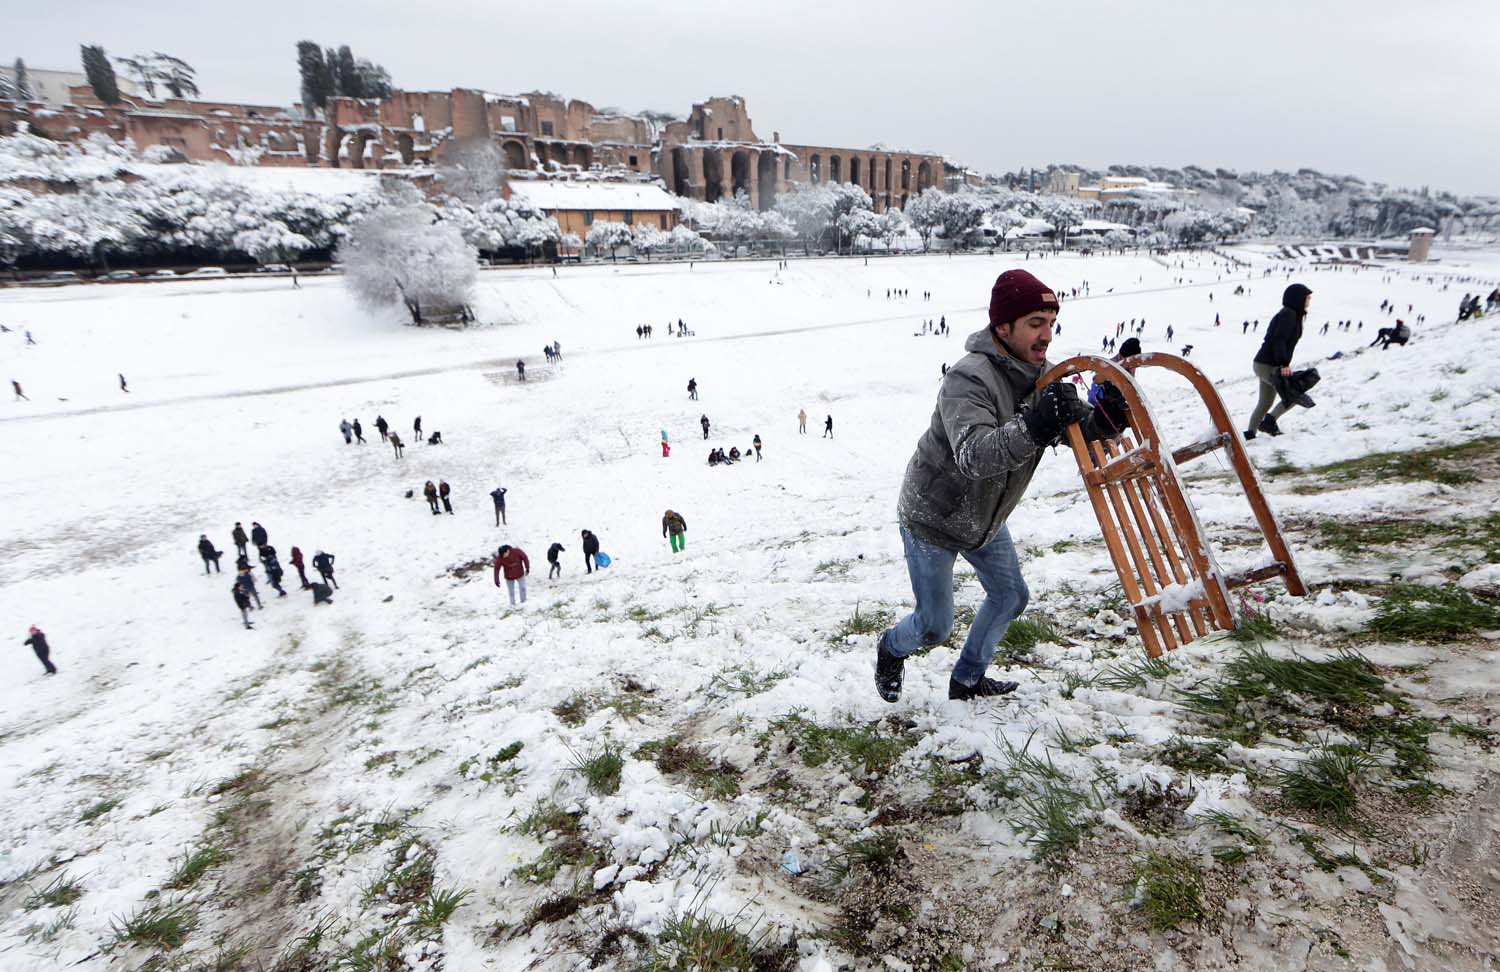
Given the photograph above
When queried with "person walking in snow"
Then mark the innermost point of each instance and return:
(348, 431)
(703, 421)
(988, 433)
(38, 643)
(382, 426)
(209, 554)
(359, 433)
(1275, 355)
(828, 427)
(246, 582)
(258, 534)
(430, 491)
(20, 395)
(590, 547)
(521, 369)
(756, 443)
(396, 445)
(272, 566)
(498, 495)
(124, 386)
(514, 564)
(674, 527)
(692, 389)
(242, 601)
(417, 428)
(801, 421)
(301, 567)
(443, 491)
(555, 568)
(239, 538)
(323, 564)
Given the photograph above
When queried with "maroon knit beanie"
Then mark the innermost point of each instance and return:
(1017, 293)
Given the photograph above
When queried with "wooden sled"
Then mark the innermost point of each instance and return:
(1167, 568)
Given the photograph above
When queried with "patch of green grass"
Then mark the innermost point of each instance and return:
(1325, 783)
(547, 817)
(433, 911)
(277, 723)
(1450, 465)
(1253, 628)
(675, 757)
(1254, 676)
(1433, 613)
(948, 785)
(873, 747)
(643, 615)
(160, 924)
(1194, 756)
(701, 942)
(381, 759)
(60, 892)
(1025, 633)
(1245, 841)
(575, 709)
(601, 768)
(196, 863)
(1170, 890)
(408, 875)
(1073, 681)
(46, 933)
(1279, 465)
(864, 622)
(746, 681)
(1050, 808)
(833, 569)
(879, 854)
(1129, 675)
(98, 810)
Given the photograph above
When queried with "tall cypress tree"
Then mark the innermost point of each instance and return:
(331, 72)
(101, 74)
(349, 78)
(314, 74)
(22, 82)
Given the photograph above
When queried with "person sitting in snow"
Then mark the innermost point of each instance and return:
(988, 433)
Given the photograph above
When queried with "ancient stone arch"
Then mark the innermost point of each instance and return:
(713, 175)
(515, 154)
(740, 173)
(682, 179)
(854, 170)
(583, 156)
(835, 169)
(905, 178)
(924, 175)
(815, 169)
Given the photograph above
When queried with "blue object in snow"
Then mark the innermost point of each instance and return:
(601, 559)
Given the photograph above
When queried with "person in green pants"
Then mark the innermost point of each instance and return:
(674, 527)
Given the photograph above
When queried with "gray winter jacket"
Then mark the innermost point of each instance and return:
(976, 459)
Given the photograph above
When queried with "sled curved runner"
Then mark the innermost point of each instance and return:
(1170, 574)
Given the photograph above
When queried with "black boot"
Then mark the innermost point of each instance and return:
(1269, 427)
(959, 692)
(888, 671)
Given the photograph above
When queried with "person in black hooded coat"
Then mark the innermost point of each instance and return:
(1275, 356)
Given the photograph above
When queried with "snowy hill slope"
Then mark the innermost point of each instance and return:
(308, 790)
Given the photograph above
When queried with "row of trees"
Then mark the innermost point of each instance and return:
(1306, 203)
(836, 216)
(334, 73)
(156, 70)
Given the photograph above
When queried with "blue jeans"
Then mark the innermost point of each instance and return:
(931, 570)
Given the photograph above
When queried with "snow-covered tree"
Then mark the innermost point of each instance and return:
(1063, 213)
(316, 78)
(607, 235)
(100, 74)
(271, 242)
(403, 252)
(1004, 222)
(859, 224)
(925, 212)
(961, 215)
(473, 170)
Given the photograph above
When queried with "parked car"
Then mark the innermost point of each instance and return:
(165, 273)
(207, 272)
(62, 276)
(122, 275)
(274, 268)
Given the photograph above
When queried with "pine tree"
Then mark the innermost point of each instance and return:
(22, 83)
(374, 80)
(144, 71)
(314, 75)
(101, 74)
(349, 79)
(177, 75)
(331, 72)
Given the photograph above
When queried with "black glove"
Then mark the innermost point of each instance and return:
(1113, 408)
(1056, 408)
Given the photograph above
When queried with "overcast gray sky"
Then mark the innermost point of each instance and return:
(1400, 92)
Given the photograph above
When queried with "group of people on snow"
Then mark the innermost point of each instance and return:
(244, 590)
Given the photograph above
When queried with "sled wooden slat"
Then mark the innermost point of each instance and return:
(1167, 569)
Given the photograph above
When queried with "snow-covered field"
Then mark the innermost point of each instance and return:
(329, 773)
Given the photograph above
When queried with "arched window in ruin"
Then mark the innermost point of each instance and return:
(713, 175)
(739, 172)
(357, 150)
(583, 156)
(835, 169)
(905, 178)
(515, 154)
(815, 169)
(886, 183)
(765, 171)
(404, 147)
(924, 175)
(871, 172)
(682, 179)
(854, 171)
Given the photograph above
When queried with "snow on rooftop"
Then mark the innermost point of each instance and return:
(319, 181)
(1423, 229)
(555, 195)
